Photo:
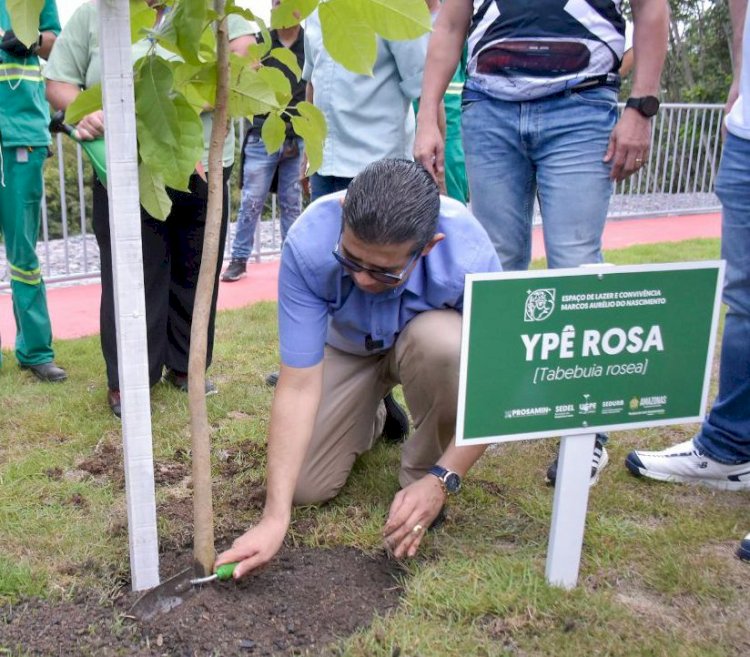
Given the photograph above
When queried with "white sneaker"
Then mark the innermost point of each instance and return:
(684, 463)
(743, 551)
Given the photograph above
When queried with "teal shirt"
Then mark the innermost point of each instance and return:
(24, 112)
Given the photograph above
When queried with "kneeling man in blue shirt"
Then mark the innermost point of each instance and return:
(370, 295)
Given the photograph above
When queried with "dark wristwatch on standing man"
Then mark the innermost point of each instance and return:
(648, 106)
(449, 480)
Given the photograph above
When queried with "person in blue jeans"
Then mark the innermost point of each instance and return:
(260, 167)
(540, 119)
(719, 455)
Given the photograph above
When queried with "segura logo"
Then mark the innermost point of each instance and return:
(539, 304)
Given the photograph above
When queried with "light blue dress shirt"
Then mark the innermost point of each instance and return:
(319, 303)
(368, 117)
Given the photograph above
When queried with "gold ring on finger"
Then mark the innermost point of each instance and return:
(417, 529)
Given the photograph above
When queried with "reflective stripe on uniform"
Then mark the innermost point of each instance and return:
(455, 88)
(20, 72)
(33, 277)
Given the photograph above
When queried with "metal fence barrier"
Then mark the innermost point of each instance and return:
(677, 179)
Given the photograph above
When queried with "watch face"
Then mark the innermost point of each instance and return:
(452, 482)
(649, 105)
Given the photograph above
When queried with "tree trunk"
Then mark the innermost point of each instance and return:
(203, 521)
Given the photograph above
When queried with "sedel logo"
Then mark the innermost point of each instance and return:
(539, 304)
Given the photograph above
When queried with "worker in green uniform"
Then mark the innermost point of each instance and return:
(24, 138)
(456, 183)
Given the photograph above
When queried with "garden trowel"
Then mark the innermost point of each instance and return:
(95, 149)
(174, 591)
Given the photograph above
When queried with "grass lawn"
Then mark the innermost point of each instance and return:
(658, 575)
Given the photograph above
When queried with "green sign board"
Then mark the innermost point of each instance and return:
(562, 352)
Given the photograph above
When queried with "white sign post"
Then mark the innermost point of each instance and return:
(130, 305)
(569, 509)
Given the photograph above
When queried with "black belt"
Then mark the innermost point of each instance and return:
(607, 80)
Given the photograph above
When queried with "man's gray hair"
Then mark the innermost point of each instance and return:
(393, 201)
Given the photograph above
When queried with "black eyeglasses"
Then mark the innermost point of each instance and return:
(376, 274)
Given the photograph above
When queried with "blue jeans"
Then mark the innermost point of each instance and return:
(258, 173)
(554, 146)
(322, 185)
(725, 434)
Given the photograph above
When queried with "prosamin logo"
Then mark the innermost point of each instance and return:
(539, 304)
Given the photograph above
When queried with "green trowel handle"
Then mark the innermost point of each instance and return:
(225, 571)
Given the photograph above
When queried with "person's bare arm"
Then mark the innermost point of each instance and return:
(46, 41)
(443, 55)
(61, 94)
(737, 11)
(631, 139)
(417, 505)
(293, 412)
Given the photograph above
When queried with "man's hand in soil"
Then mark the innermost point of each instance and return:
(412, 511)
(255, 548)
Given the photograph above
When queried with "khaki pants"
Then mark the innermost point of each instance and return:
(425, 360)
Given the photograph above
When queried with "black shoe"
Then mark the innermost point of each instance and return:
(599, 461)
(272, 379)
(180, 381)
(47, 372)
(113, 399)
(396, 427)
(234, 271)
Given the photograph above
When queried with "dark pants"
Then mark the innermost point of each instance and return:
(171, 263)
(322, 185)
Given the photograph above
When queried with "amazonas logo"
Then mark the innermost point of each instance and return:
(539, 304)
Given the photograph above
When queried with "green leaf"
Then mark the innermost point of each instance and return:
(249, 92)
(288, 59)
(189, 20)
(207, 45)
(292, 12)
(248, 15)
(153, 192)
(279, 83)
(398, 20)
(170, 132)
(196, 83)
(311, 126)
(88, 101)
(273, 132)
(24, 18)
(347, 36)
(142, 19)
(256, 52)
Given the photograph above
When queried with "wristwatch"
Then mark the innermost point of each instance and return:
(449, 480)
(648, 106)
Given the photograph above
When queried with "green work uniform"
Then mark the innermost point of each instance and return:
(456, 183)
(24, 137)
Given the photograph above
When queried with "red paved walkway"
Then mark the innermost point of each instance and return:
(75, 309)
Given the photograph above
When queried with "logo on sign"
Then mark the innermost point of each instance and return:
(539, 305)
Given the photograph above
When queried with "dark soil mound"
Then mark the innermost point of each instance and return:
(303, 601)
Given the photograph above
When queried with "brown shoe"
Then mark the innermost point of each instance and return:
(113, 399)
